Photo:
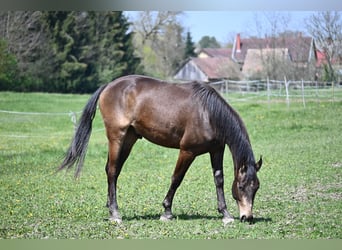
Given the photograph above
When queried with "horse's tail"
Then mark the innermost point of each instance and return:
(78, 147)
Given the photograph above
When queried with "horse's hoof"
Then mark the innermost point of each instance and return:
(165, 217)
(227, 220)
(115, 220)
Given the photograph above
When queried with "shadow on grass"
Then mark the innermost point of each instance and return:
(188, 217)
(261, 219)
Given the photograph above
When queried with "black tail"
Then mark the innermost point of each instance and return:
(78, 147)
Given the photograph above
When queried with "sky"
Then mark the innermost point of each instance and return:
(224, 25)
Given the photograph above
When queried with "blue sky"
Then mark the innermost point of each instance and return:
(224, 25)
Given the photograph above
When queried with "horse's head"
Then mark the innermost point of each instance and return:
(245, 186)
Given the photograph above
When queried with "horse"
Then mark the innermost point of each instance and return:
(191, 117)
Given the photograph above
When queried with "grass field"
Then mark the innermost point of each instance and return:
(299, 197)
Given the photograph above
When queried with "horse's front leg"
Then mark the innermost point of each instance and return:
(217, 165)
(184, 161)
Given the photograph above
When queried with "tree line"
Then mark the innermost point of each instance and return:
(64, 51)
(76, 51)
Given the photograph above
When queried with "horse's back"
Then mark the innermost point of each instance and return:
(164, 113)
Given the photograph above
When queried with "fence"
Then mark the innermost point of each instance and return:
(286, 90)
(252, 91)
(39, 124)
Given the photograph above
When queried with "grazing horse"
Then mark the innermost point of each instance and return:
(191, 117)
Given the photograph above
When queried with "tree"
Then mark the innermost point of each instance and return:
(282, 52)
(209, 42)
(189, 47)
(271, 26)
(326, 28)
(149, 24)
(8, 68)
(114, 44)
(67, 51)
(90, 48)
(159, 41)
(27, 41)
(68, 69)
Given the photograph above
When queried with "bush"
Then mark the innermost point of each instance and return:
(8, 68)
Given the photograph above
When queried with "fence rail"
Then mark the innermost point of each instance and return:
(226, 86)
(275, 89)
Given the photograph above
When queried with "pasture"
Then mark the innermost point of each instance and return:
(300, 181)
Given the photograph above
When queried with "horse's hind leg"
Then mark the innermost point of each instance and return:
(119, 148)
(184, 161)
(217, 165)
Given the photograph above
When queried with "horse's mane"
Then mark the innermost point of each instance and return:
(228, 125)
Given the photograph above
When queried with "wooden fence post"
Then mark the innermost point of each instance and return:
(303, 95)
(333, 91)
(287, 92)
(268, 92)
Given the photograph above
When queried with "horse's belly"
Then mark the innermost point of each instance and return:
(161, 135)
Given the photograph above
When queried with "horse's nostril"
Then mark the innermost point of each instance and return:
(243, 218)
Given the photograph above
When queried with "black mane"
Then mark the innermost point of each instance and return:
(229, 127)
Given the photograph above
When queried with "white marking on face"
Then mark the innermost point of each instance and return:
(245, 207)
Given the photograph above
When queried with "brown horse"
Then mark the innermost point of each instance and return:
(191, 117)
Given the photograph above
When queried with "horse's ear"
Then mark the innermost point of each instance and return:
(258, 164)
(243, 169)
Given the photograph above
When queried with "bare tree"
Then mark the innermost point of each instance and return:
(282, 52)
(159, 41)
(26, 39)
(271, 23)
(326, 28)
(270, 26)
(150, 24)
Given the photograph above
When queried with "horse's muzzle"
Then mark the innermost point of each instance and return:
(248, 219)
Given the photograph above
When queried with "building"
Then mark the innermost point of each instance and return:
(211, 64)
(208, 69)
(211, 52)
(292, 51)
(252, 58)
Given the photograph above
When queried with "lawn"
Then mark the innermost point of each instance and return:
(299, 197)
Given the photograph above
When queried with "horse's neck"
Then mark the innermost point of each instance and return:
(242, 152)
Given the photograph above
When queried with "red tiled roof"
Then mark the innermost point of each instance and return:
(321, 58)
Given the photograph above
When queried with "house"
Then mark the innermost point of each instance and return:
(208, 69)
(212, 64)
(300, 48)
(255, 58)
(321, 58)
(247, 58)
(252, 53)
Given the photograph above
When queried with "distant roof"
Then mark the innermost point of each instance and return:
(299, 46)
(211, 68)
(218, 52)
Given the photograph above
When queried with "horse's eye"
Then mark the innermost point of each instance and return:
(254, 185)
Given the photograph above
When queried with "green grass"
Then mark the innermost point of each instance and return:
(299, 197)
